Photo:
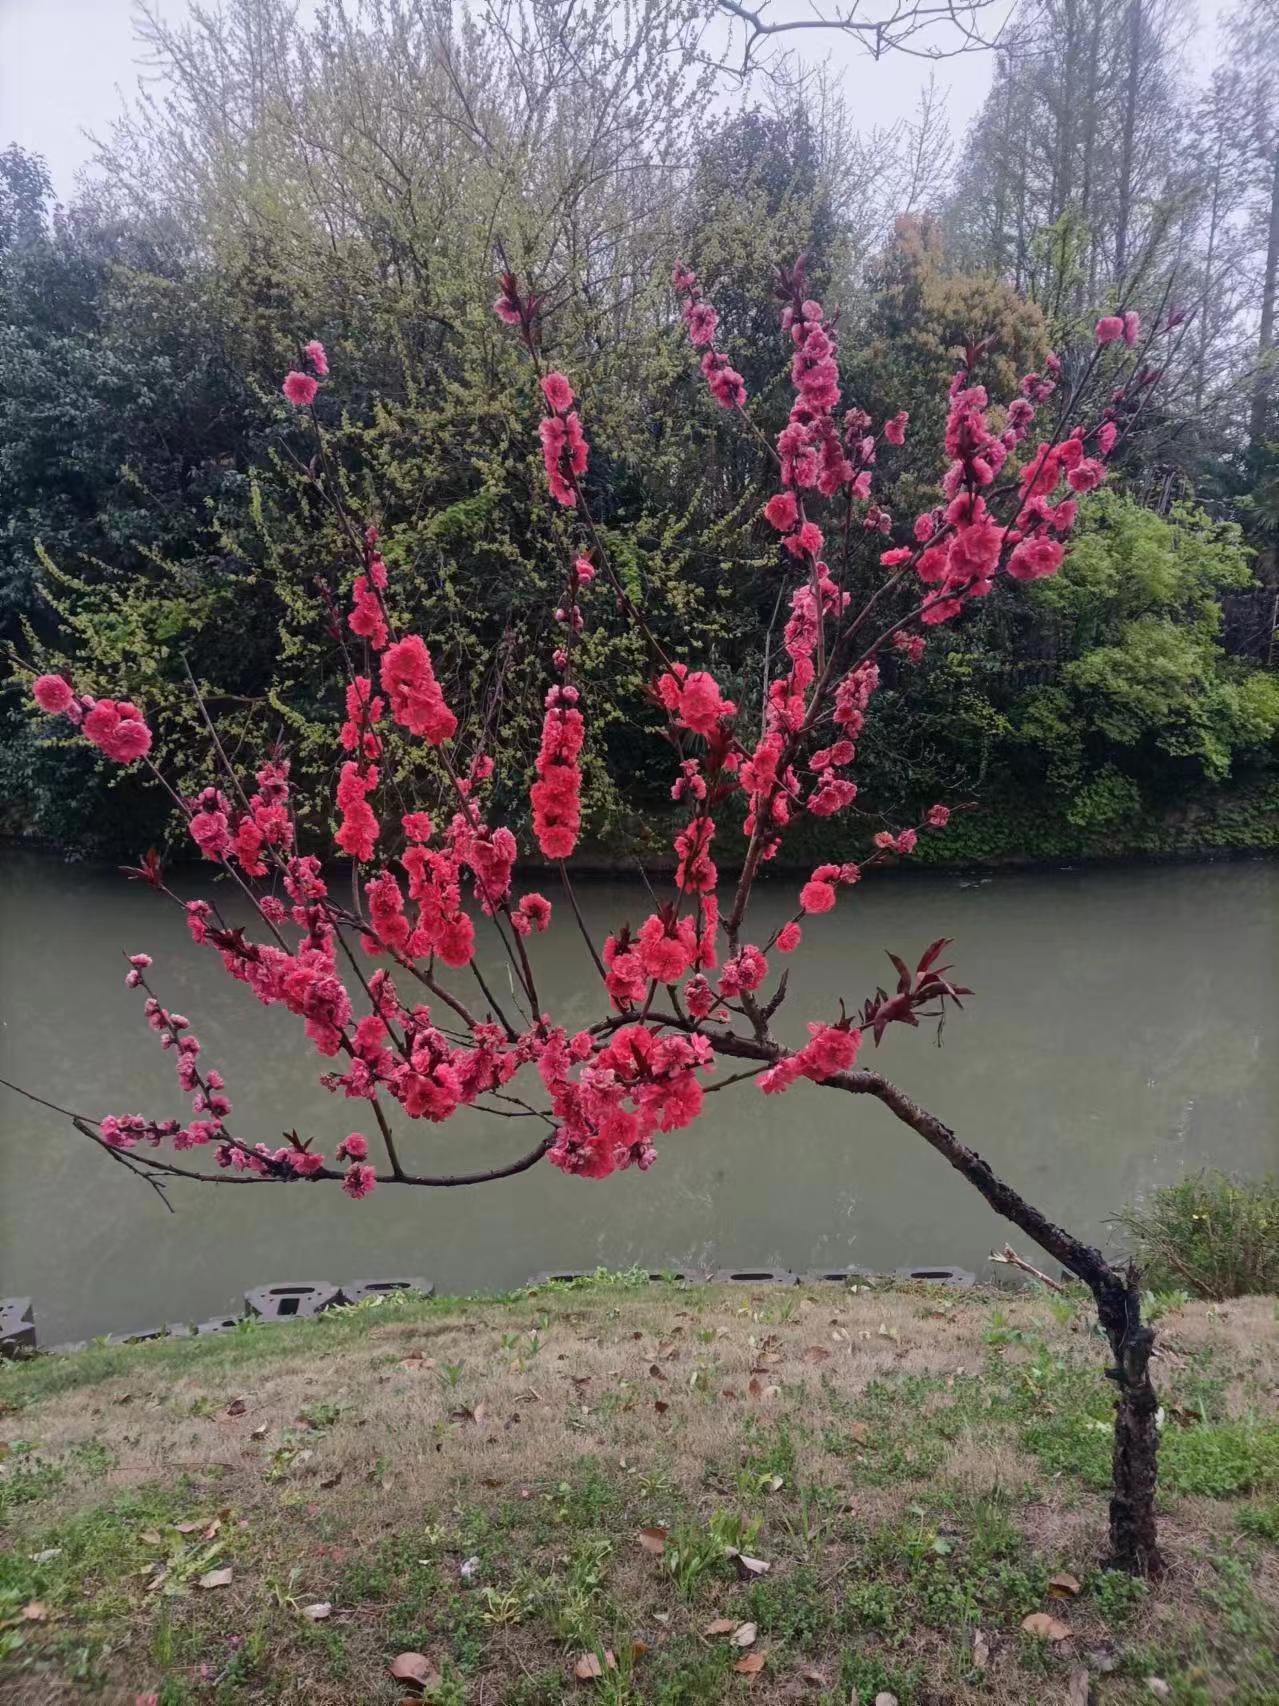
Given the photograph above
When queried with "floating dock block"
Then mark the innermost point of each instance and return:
(138, 1337)
(17, 1326)
(355, 1291)
(941, 1274)
(835, 1276)
(754, 1276)
(292, 1297)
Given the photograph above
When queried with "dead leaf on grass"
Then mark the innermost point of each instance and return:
(744, 1635)
(1063, 1585)
(1079, 1688)
(415, 1668)
(317, 1612)
(653, 1539)
(236, 1407)
(215, 1579)
(721, 1626)
(751, 1665)
(981, 1650)
(35, 1611)
(1044, 1627)
(589, 1667)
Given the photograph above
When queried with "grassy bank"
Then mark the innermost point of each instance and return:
(517, 1489)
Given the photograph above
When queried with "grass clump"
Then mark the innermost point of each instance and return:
(1216, 1235)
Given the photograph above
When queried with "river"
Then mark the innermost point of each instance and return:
(1120, 1034)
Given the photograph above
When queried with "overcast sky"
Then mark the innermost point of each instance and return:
(66, 66)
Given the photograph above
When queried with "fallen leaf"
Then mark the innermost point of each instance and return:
(47, 1556)
(653, 1539)
(588, 1667)
(187, 1527)
(661, 1406)
(1079, 1688)
(751, 1665)
(816, 1353)
(215, 1579)
(261, 1431)
(468, 1569)
(236, 1407)
(638, 1648)
(317, 1612)
(814, 1677)
(721, 1626)
(885, 1700)
(656, 1372)
(744, 1635)
(859, 1433)
(1064, 1585)
(1158, 1687)
(747, 1567)
(414, 1667)
(1044, 1627)
(35, 1611)
(152, 1537)
(981, 1651)
(331, 1480)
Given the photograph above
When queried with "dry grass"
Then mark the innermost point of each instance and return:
(916, 1464)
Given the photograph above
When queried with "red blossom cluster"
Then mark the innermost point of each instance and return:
(674, 988)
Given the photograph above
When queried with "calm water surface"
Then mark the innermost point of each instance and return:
(1121, 1034)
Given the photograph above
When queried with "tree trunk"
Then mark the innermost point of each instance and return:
(1266, 332)
(1128, 141)
(1133, 1541)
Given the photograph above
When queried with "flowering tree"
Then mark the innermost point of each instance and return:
(689, 985)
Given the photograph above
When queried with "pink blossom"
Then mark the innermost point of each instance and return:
(53, 694)
(781, 511)
(532, 913)
(895, 429)
(416, 700)
(701, 320)
(299, 389)
(1132, 327)
(1035, 558)
(353, 1148)
(116, 727)
(817, 895)
(558, 392)
(938, 816)
(315, 354)
(807, 541)
(359, 1181)
(556, 796)
(899, 554)
(789, 937)
(1107, 433)
(1109, 328)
